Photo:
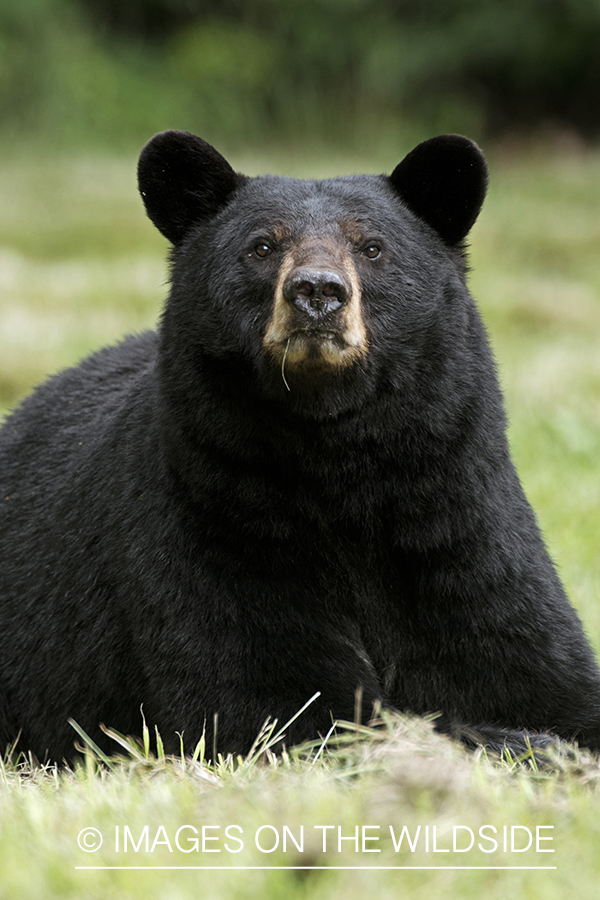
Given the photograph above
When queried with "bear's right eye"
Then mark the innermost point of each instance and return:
(262, 250)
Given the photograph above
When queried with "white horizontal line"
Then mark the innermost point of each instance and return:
(325, 868)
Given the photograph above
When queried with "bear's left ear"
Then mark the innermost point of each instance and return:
(182, 179)
(443, 181)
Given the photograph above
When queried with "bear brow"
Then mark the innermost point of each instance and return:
(355, 229)
(281, 232)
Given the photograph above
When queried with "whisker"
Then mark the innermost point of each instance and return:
(283, 364)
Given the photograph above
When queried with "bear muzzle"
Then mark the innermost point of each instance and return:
(317, 320)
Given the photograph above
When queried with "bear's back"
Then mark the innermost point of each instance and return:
(76, 402)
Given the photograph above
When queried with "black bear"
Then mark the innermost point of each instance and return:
(300, 483)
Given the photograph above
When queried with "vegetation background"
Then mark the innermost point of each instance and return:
(313, 88)
(258, 72)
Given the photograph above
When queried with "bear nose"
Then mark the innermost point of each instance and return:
(316, 291)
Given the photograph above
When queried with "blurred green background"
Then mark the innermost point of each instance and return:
(253, 71)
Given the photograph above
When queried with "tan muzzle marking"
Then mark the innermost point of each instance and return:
(293, 343)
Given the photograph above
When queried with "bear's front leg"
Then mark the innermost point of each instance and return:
(240, 665)
(487, 638)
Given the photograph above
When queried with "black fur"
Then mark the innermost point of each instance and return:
(180, 529)
(444, 180)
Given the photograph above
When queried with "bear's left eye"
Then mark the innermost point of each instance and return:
(262, 249)
(372, 251)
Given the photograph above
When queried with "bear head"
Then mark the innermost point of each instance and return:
(288, 285)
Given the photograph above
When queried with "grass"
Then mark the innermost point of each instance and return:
(80, 266)
(267, 814)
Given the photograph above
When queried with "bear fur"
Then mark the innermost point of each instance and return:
(300, 483)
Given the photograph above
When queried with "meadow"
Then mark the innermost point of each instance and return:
(80, 266)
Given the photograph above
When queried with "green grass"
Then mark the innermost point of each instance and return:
(79, 267)
(400, 774)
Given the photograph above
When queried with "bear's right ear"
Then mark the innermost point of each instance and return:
(182, 180)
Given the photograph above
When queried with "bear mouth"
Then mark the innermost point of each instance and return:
(319, 334)
(311, 350)
(314, 350)
(306, 343)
